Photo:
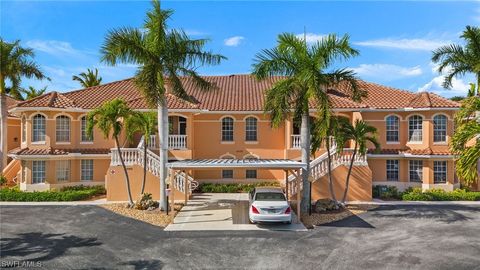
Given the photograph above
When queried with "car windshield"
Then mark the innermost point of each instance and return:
(269, 196)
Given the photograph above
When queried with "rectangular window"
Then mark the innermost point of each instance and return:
(86, 169)
(392, 126)
(83, 128)
(227, 174)
(62, 129)
(440, 172)
(251, 174)
(440, 128)
(392, 170)
(251, 129)
(63, 170)
(38, 171)
(416, 170)
(227, 129)
(415, 129)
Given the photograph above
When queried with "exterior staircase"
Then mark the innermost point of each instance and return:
(134, 156)
(10, 172)
(319, 166)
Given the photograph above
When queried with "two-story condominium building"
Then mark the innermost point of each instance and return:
(414, 130)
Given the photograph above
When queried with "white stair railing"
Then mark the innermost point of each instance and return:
(319, 166)
(177, 141)
(135, 156)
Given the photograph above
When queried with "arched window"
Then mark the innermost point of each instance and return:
(227, 129)
(62, 128)
(83, 130)
(24, 129)
(251, 129)
(392, 127)
(38, 128)
(415, 129)
(440, 128)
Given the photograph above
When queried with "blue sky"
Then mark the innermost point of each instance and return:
(395, 39)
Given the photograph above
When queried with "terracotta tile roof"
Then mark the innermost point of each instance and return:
(234, 93)
(426, 151)
(52, 151)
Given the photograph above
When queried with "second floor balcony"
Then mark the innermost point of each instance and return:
(175, 142)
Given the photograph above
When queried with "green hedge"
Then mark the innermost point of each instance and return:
(386, 193)
(232, 188)
(75, 193)
(416, 194)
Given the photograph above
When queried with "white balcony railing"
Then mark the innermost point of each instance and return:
(177, 142)
(296, 142)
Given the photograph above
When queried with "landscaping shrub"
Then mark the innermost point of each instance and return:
(146, 202)
(386, 192)
(232, 188)
(77, 193)
(3, 180)
(416, 194)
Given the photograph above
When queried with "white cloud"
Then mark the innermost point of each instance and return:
(310, 37)
(387, 72)
(233, 41)
(459, 87)
(54, 47)
(405, 43)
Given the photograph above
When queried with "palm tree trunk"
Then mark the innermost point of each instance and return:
(145, 148)
(330, 179)
(349, 173)
(127, 179)
(305, 145)
(163, 141)
(3, 129)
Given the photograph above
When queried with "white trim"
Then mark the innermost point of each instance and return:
(30, 117)
(54, 157)
(227, 142)
(251, 155)
(38, 143)
(392, 142)
(390, 114)
(63, 143)
(90, 142)
(251, 142)
(406, 155)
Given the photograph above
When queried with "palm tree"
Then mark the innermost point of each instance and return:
(31, 92)
(458, 60)
(110, 118)
(15, 63)
(163, 56)
(146, 124)
(88, 79)
(360, 133)
(306, 80)
(466, 140)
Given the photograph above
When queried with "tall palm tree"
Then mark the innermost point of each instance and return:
(306, 80)
(109, 119)
(88, 79)
(458, 60)
(360, 133)
(163, 56)
(146, 124)
(466, 140)
(15, 62)
(31, 92)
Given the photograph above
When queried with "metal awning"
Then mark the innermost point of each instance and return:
(236, 163)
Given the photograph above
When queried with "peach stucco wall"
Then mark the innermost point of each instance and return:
(359, 187)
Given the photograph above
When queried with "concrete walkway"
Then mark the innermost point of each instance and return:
(222, 211)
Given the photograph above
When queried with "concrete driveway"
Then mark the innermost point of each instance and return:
(222, 212)
(390, 237)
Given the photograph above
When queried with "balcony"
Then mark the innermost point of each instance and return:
(175, 142)
(296, 142)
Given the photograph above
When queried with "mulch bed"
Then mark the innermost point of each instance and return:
(317, 219)
(154, 217)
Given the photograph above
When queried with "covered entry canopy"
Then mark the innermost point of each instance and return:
(287, 165)
(271, 164)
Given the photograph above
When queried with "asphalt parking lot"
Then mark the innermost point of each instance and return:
(390, 237)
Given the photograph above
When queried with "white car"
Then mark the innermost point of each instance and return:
(269, 204)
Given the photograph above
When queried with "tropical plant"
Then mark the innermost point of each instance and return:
(31, 92)
(109, 119)
(360, 134)
(466, 140)
(15, 63)
(305, 80)
(457, 60)
(146, 124)
(88, 79)
(163, 56)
